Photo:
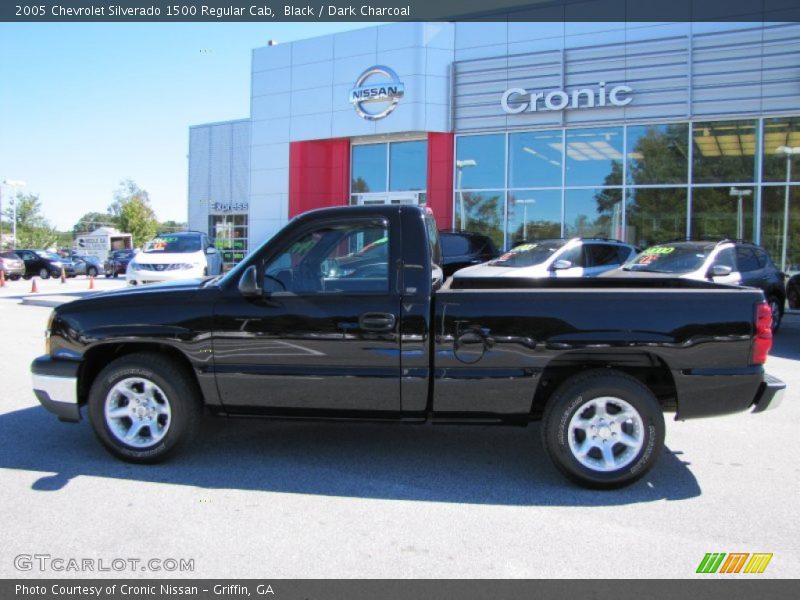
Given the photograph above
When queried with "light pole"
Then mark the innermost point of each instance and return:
(14, 184)
(525, 216)
(788, 152)
(739, 194)
(461, 165)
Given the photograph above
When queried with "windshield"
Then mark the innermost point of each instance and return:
(173, 244)
(527, 255)
(670, 258)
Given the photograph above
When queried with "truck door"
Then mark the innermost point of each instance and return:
(324, 334)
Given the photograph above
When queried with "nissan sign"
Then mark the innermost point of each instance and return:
(376, 93)
(518, 100)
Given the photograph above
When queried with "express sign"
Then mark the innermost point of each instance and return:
(518, 100)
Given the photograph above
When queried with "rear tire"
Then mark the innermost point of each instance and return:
(144, 407)
(603, 429)
(44, 274)
(92, 272)
(793, 297)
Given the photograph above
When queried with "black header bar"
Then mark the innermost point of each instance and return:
(275, 11)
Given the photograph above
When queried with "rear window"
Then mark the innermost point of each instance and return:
(454, 245)
(9, 255)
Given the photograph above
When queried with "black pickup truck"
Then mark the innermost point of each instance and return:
(344, 314)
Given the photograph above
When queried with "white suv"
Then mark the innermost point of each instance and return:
(171, 256)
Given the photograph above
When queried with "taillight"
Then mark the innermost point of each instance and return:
(763, 340)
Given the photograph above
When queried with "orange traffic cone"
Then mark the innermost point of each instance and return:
(2, 278)
(91, 282)
(63, 276)
(34, 289)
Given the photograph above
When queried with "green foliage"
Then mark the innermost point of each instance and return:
(92, 220)
(33, 230)
(132, 211)
(170, 226)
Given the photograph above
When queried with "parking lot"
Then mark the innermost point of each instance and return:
(315, 500)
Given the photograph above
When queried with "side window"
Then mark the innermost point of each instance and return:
(600, 255)
(746, 259)
(726, 258)
(339, 258)
(762, 257)
(573, 255)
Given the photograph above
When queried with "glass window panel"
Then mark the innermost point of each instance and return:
(594, 156)
(723, 212)
(658, 154)
(535, 159)
(481, 212)
(480, 161)
(369, 168)
(533, 215)
(779, 134)
(593, 213)
(655, 215)
(784, 249)
(408, 166)
(724, 151)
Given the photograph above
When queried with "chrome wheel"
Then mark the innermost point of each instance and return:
(137, 412)
(606, 434)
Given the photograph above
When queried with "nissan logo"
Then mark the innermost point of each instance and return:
(377, 85)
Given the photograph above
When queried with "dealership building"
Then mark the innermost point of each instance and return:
(640, 132)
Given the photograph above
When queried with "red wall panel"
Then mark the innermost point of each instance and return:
(440, 178)
(319, 174)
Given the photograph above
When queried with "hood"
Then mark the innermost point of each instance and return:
(619, 273)
(167, 258)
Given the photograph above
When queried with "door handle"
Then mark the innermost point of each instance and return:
(377, 321)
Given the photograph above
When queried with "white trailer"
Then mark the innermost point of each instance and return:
(102, 241)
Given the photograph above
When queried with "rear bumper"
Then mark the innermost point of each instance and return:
(714, 392)
(55, 384)
(770, 394)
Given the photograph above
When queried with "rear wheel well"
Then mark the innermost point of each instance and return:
(98, 357)
(647, 368)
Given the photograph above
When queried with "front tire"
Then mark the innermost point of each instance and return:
(143, 407)
(603, 429)
(92, 272)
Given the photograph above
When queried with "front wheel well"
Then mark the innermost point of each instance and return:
(649, 369)
(98, 357)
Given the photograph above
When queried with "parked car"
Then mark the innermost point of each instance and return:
(117, 263)
(90, 266)
(599, 361)
(576, 257)
(11, 265)
(44, 264)
(725, 261)
(793, 291)
(171, 256)
(463, 248)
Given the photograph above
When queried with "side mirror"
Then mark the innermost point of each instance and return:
(560, 265)
(211, 250)
(248, 284)
(720, 270)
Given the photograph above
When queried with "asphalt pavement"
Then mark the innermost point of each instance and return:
(316, 500)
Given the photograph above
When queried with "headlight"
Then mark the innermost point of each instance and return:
(186, 266)
(133, 265)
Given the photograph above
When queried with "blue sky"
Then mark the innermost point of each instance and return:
(83, 106)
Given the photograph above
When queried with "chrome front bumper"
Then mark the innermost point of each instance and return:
(55, 384)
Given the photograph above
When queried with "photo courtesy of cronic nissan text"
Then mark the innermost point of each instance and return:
(399, 300)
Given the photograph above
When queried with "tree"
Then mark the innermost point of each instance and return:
(92, 220)
(170, 226)
(33, 229)
(133, 213)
